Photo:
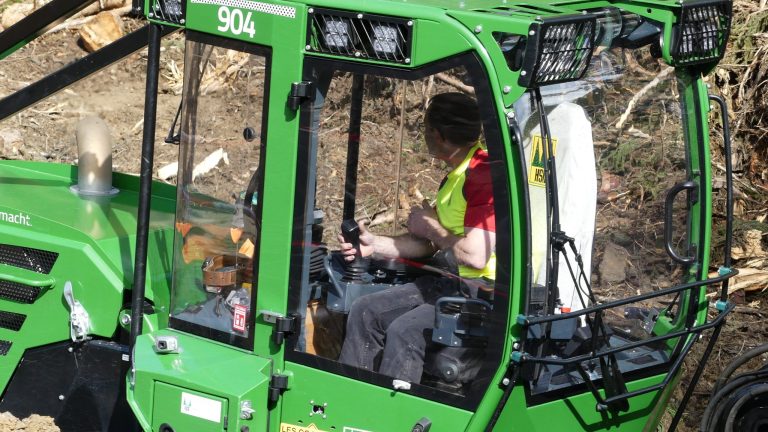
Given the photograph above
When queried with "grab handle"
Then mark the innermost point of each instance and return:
(668, 204)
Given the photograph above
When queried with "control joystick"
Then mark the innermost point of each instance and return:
(354, 270)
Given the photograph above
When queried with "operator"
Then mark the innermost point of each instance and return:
(387, 331)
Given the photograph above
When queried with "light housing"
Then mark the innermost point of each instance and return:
(558, 50)
(702, 31)
(169, 11)
(358, 35)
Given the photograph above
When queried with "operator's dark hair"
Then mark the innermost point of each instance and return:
(456, 117)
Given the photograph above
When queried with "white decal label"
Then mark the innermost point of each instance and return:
(15, 218)
(233, 21)
(351, 429)
(198, 406)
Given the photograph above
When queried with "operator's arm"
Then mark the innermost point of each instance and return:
(402, 246)
(473, 249)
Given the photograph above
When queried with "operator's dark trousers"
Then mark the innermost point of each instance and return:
(388, 331)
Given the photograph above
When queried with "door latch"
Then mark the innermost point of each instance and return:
(79, 321)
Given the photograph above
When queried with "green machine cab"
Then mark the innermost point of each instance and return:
(229, 310)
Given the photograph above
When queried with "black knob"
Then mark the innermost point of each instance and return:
(249, 134)
(350, 230)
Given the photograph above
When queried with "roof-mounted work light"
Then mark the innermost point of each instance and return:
(702, 32)
(358, 35)
(170, 11)
(558, 50)
(336, 34)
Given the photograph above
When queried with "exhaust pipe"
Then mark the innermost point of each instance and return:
(94, 162)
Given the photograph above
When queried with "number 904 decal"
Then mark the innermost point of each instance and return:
(233, 21)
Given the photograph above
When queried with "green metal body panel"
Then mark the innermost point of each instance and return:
(94, 238)
(579, 413)
(203, 386)
(202, 368)
(440, 30)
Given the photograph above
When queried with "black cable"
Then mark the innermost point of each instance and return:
(737, 363)
(504, 398)
(695, 379)
(715, 407)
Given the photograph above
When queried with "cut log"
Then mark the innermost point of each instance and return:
(102, 30)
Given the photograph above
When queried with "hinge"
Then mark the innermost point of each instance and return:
(283, 326)
(300, 92)
(277, 385)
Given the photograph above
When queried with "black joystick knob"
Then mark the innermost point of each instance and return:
(350, 230)
(354, 270)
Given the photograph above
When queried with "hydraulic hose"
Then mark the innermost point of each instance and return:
(729, 406)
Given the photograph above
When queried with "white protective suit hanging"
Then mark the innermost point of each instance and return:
(577, 194)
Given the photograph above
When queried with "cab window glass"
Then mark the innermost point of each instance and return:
(400, 271)
(618, 160)
(217, 225)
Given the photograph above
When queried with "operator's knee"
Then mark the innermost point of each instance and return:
(362, 312)
(407, 333)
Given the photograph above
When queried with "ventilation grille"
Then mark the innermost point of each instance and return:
(702, 33)
(19, 292)
(5, 346)
(11, 321)
(362, 36)
(37, 260)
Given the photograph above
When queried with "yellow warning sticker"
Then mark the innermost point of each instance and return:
(285, 427)
(538, 159)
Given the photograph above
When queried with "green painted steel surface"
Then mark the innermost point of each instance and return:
(202, 368)
(94, 240)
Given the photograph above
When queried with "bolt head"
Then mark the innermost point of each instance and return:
(478, 28)
(409, 23)
(61, 397)
(182, 21)
(311, 10)
(523, 73)
(407, 61)
(359, 16)
(507, 89)
(532, 32)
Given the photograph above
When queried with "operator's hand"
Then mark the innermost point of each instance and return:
(367, 239)
(423, 221)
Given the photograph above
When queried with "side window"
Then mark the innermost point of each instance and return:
(217, 229)
(617, 165)
(399, 275)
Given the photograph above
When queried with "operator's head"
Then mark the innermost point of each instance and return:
(451, 124)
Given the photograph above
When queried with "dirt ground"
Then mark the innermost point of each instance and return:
(46, 131)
